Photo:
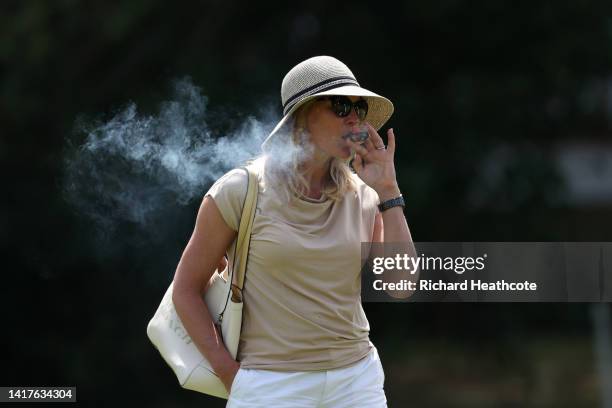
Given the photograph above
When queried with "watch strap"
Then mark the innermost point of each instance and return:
(394, 202)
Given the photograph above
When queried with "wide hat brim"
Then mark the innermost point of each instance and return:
(380, 109)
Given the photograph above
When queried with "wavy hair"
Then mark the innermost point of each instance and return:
(282, 172)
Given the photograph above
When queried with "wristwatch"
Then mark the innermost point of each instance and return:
(394, 202)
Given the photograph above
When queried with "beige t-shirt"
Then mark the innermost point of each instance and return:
(302, 290)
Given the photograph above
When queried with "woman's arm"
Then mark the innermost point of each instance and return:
(396, 228)
(374, 164)
(208, 243)
(390, 226)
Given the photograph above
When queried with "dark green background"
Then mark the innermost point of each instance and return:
(465, 78)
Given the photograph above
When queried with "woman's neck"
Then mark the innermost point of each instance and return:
(316, 173)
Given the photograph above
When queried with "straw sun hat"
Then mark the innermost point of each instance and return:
(325, 75)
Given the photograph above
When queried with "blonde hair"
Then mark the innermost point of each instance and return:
(288, 180)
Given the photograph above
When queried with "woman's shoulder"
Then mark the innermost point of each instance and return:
(229, 192)
(236, 176)
(232, 183)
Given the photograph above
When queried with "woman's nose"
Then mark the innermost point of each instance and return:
(352, 117)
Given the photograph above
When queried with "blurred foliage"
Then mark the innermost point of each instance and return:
(470, 82)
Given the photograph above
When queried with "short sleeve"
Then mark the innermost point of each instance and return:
(368, 195)
(229, 193)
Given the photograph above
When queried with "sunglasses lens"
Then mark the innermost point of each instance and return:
(361, 107)
(341, 106)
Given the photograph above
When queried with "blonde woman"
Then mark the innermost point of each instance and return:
(305, 337)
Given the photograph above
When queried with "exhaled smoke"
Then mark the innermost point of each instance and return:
(134, 166)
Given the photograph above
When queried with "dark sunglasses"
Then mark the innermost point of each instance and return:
(342, 106)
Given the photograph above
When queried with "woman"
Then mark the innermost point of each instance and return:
(304, 339)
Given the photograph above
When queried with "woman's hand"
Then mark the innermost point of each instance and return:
(222, 264)
(227, 377)
(375, 166)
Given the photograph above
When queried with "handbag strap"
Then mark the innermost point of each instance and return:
(244, 235)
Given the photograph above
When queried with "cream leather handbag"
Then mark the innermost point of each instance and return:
(224, 301)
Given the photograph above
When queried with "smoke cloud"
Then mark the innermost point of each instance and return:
(134, 166)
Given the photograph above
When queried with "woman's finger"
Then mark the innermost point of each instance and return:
(374, 136)
(369, 145)
(359, 148)
(358, 163)
(391, 138)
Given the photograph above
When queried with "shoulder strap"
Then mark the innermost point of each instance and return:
(243, 239)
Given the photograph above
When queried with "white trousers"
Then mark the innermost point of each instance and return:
(357, 385)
